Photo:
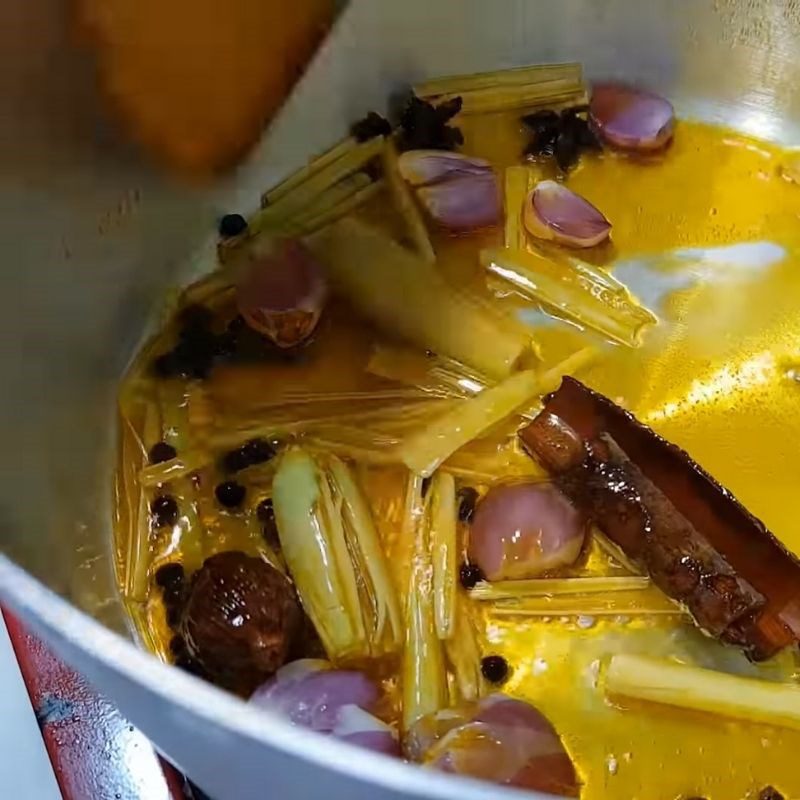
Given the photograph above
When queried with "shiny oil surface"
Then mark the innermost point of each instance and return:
(706, 236)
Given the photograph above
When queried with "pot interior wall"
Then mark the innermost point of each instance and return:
(91, 236)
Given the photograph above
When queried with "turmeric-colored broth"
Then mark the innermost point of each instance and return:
(714, 376)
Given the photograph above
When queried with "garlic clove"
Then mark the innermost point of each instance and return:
(463, 203)
(422, 167)
(556, 213)
(631, 119)
(281, 292)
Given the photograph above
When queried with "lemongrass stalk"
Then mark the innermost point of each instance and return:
(361, 454)
(622, 603)
(191, 529)
(555, 587)
(341, 209)
(386, 631)
(330, 198)
(444, 545)
(516, 190)
(179, 467)
(330, 510)
(255, 533)
(424, 451)
(305, 193)
(405, 204)
(517, 76)
(429, 373)
(409, 298)
(668, 683)
(303, 515)
(613, 550)
(335, 153)
(464, 654)
(555, 95)
(301, 398)
(424, 677)
(208, 287)
(570, 290)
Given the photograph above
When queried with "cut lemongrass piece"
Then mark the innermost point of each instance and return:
(554, 587)
(386, 628)
(210, 287)
(555, 95)
(429, 373)
(294, 180)
(516, 190)
(464, 654)
(573, 291)
(409, 298)
(444, 546)
(306, 192)
(313, 546)
(667, 683)
(328, 199)
(341, 209)
(405, 203)
(517, 76)
(647, 602)
(614, 551)
(425, 450)
(424, 677)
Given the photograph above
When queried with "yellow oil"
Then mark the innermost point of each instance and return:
(715, 376)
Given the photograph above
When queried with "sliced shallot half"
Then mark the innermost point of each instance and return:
(311, 694)
(556, 213)
(422, 167)
(520, 530)
(499, 739)
(281, 292)
(630, 118)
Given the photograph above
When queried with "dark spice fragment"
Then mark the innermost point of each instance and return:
(494, 669)
(177, 646)
(161, 452)
(170, 574)
(769, 793)
(269, 527)
(164, 510)
(232, 225)
(256, 451)
(565, 135)
(470, 575)
(369, 127)
(467, 499)
(230, 494)
(423, 126)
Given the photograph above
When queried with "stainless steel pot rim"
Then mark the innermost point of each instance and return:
(26, 595)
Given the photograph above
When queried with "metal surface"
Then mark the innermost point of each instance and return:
(90, 237)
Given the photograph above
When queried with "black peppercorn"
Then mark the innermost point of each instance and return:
(470, 575)
(494, 669)
(170, 574)
(467, 499)
(232, 225)
(257, 451)
(230, 494)
(164, 510)
(161, 452)
(265, 512)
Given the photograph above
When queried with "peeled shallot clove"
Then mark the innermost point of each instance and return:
(422, 167)
(555, 213)
(631, 119)
(281, 292)
(463, 202)
(311, 694)
(521, 530)
(499, 739)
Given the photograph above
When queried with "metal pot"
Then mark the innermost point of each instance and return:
(91, 237)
